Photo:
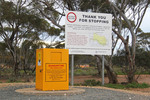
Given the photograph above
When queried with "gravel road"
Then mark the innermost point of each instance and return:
(8, 93)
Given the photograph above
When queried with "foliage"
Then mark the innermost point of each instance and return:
(120, 59)
(12, 80)
(85, 71)
(92, 82)
(99, 6)
(130, 85)
(21, 32)
(116, 86)
(137, 85)
(17, 23)
(144, 41)
(142, 58)
(6, 72)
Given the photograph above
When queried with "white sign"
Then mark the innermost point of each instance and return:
(88, 33)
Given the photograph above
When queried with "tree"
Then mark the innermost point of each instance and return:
(17, 21)
(144, 40)
(28, 54)
(129, 11)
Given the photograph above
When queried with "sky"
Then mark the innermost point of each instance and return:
(145, 26)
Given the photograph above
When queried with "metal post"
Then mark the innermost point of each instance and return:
(72, 70)
(102, 70)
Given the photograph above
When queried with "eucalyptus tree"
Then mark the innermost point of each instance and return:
(131, 14)
(17, 21)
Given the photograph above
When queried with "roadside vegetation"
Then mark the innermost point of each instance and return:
(93, 82)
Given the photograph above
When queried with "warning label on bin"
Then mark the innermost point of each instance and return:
(39, 58)
(55, 72)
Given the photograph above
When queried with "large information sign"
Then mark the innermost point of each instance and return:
(88, 33)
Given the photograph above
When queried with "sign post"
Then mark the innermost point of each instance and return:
(103, 70)
(72, 70)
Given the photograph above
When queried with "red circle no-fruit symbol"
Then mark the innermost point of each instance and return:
(71, 17)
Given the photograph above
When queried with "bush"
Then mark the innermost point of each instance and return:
(137, 85)
(85, 71)
(130, 85)
(92, 82)
(12, 79)
(116, 86)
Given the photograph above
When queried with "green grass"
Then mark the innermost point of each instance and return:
(93, 82)
(130, 85)
(85, 71)
(137, 85)
(78, 84)
(115, 86)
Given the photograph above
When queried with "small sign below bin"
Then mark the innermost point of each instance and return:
(52, 69)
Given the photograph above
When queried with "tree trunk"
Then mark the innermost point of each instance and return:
(99, 68)
(111, 74)
(16, 68)
(16, 63)
(15, 58)
(131, 68)
(131, 78)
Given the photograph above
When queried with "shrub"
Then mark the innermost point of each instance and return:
(12, 79)
(92, 82)
(130, 85)
(137, 85)
(116, 86)
(85, 71)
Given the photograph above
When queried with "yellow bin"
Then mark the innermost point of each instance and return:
(52, 69)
